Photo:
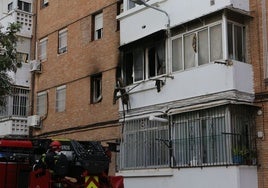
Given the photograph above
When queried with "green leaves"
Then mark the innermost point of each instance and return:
(8, 41)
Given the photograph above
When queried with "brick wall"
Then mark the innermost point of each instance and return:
(81, 120)
(255, 49)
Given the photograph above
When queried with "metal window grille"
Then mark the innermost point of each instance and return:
(16, 103)
(209, 137)
(144, 145)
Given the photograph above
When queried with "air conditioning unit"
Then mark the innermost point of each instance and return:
(34, 121)
(35, 66)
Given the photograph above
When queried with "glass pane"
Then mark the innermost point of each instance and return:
(203, 47)
(215, 42)
(152, 62)
(238, 42)
(230, 41)
(189, 51)
(128, 68)
(160, 59)
(138, 65)
(63, 39)
(177, 55)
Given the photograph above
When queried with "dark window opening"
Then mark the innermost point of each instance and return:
(96, 88)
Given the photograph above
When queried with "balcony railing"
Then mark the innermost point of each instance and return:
(215, 150)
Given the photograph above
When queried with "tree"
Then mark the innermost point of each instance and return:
(8, 62)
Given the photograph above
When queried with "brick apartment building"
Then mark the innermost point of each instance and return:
(74, 70)
(257, 48)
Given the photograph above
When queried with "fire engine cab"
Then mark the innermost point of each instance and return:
(87, 164)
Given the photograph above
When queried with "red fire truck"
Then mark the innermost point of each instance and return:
(88, 164)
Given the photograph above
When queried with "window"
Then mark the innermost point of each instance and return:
(62, 41)
(197, 48)
(60, 98)
(96, 88)
(10, 6)
(98, 26)
(207, 137)
(144, 144)
(24, 6)
(20, 102)
(131, 4)
(43, 49)
(41, 103)
(22, 57)
(44, 3)
(144, 62)
(236, 42)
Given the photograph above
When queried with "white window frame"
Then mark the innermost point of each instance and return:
(61, 98)
(43, 49)
(23, 4)
(196, 32)
(63, 41)
(142, 61)
(234, 47)
(41, 105)
(98, 26)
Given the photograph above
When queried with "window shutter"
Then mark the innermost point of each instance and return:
(98, 21)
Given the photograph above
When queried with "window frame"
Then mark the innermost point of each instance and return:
(97, 26)
(10, 7)
(144, 144)
(44, 3)
(22, 5)
(63, 41)
(22, 57)
(137, 63)
(41, 103)
(96, 88)
(195, 43)
(43, 49)
(243, 41)
(60, 105)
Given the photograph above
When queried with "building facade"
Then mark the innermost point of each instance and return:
(188, 105)
(76, 62)
(258, 54)
(13, 116)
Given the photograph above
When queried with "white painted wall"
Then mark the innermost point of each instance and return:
(133, 20)
(22, 77)
(212, 177)
(198, 81)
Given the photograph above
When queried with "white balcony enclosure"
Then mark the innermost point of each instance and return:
(221, 80)
(140, 21)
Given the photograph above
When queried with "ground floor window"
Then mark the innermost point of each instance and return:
(213, 136)
(208, 137)
(144, 144)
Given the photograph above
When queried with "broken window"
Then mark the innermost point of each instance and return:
(96, 88)
(144, 62)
